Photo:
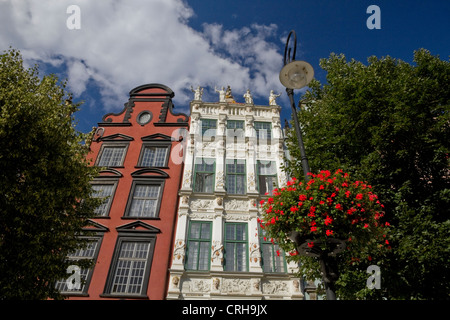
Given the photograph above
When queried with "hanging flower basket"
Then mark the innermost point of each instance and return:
(329, 214)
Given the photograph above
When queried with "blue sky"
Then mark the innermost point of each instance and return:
(122, 44)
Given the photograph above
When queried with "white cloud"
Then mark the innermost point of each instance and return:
(126, 43)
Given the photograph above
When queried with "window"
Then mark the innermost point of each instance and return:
(106, 191)
(112, 156)
(235, 176)
(263, 132)
(199, 246)
(235, 130)
(204, 175)
(273, 257)
(209, 127)
(89, 253)
(144, 199)
(130, 267)
(267, 176)
(154, 156)
(236, 247)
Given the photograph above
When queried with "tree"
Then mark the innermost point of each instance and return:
(45, 195)
(388, 123)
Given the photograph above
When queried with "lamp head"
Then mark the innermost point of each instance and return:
(296, 74)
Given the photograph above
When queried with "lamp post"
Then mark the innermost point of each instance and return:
(296, 75)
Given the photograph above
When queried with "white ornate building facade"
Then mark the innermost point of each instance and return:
(233, 159)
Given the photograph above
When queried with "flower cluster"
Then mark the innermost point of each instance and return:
(327, 206)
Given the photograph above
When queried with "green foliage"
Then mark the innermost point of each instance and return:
(44, 177)
(388, 122)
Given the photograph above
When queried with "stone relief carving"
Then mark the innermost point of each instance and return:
(201, 204)
(179, 250)
(217, 252)
(296, 285)
(175, 282)
(282, 179)
(237, 217)
(185, 200)
(220, 179)
(216, 283)
(236, 205)
(256, 284)
(255, 253)
(187, 179)
(275, 287)
(251, 181)
(236, 286)
(202, 215)
(199, 285)
(209, 145)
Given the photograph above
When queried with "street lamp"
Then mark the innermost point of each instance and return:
(296, 75)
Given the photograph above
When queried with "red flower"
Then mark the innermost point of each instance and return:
(302, 197)
(294, 209)
(359, 196)
(328, 220)
(310, 244)
(313, 229)
(339, 207)
(329, 232)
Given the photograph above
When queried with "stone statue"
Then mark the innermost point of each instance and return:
(273, 97)
(228, 94)
(248, 97)
(221, 94)
(197, 93)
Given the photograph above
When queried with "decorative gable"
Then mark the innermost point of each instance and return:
(109, 173)
(150, 173)
(93, 226)
(157, 137)
(153, 92)
(117, 137)
(138, 227)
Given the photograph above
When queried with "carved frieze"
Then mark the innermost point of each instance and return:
(236, 205)
(275, 287)
(241, 286)
(201, 204)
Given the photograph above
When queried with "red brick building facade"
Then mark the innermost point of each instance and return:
(140, 151)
